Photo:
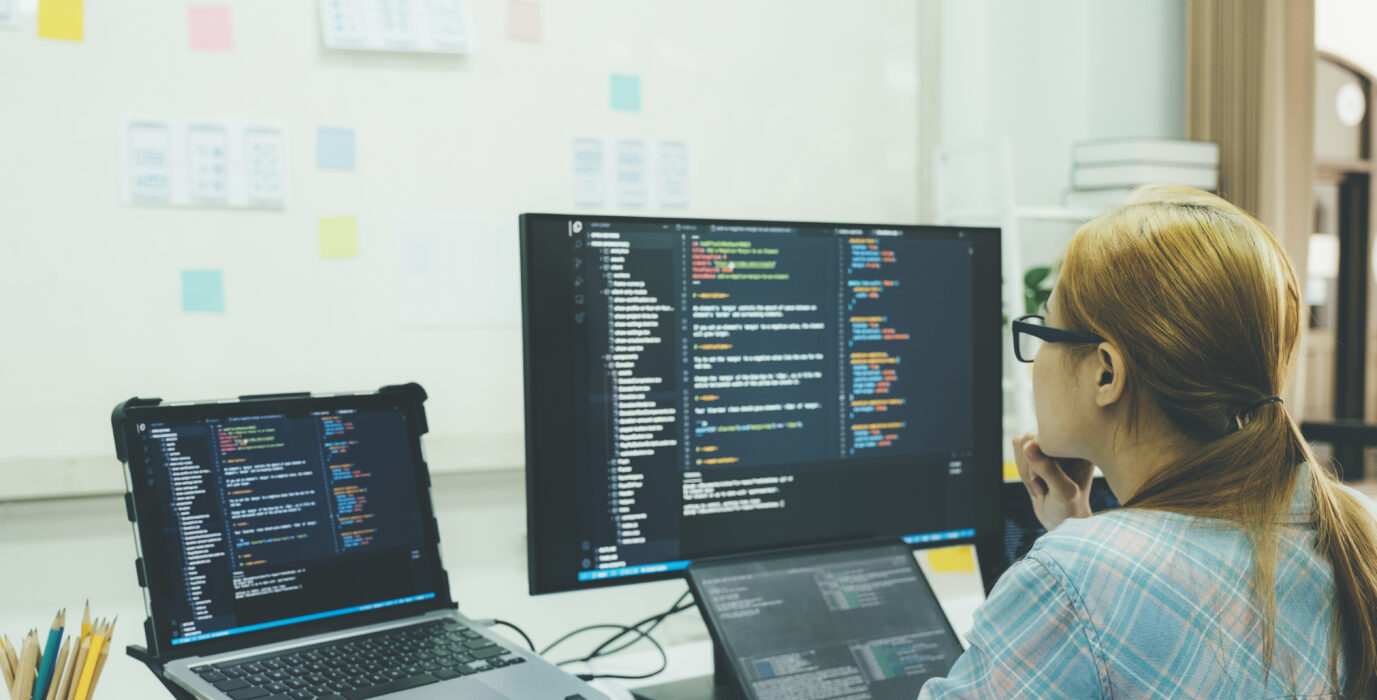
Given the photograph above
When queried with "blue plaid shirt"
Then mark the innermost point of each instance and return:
(1130, 604)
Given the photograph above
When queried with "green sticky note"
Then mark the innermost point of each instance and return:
(203, 290)
(339, 237)
(626, 92)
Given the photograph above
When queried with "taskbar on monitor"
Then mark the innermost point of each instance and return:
(302, 618)
(662, 567)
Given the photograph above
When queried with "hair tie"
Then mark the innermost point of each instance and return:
(1264, 402)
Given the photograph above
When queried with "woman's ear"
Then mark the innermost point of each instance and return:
(1109, 374)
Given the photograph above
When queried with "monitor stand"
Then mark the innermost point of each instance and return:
(721, 685)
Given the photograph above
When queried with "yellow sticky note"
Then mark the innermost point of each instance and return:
(958, 558)
(1011, 472)
(60, 19)
(339, 237)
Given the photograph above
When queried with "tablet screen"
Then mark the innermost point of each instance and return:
(854, 622)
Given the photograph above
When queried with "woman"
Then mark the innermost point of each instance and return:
(1237, 567)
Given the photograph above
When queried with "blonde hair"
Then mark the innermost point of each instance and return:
(1205, 308)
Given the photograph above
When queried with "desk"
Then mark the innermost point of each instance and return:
(84, 547)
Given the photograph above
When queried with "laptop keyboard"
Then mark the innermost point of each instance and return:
(362, 667)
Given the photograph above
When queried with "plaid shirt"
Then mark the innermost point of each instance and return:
(1138, 604)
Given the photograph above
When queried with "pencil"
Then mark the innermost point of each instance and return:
(12, 655)
(70, 678)
(5, 669)
(88, 667)
(45, 668)
(100, 662)
(86, 621)
(58, 669)
(23, 683)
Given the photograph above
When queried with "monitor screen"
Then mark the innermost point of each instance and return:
(702, 387)
(258, 516)
(851, 622)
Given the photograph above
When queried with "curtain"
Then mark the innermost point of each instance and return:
(1250, 87)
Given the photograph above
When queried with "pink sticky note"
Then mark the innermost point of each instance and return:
(210, 28)
(523, 20)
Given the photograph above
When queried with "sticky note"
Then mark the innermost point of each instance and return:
(626, 92)
(203, 290)
(60, 19)
(209, 28)
(952, 559)
(334, 148)
(523, 20)
(1011, 472)
(339, 237)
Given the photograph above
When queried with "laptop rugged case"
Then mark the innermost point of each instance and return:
(151, 655)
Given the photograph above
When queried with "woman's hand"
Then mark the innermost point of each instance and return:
(1060, 488)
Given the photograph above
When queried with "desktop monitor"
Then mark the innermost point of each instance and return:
(700, 387)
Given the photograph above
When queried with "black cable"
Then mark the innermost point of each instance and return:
(519, 631)
(654, 621)
(622, 631)
(664, 661)
(581, 630)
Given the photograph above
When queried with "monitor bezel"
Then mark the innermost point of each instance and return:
(546, 453)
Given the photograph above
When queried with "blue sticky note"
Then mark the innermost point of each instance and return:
(626, 92)
(334, 148)
(203, 290)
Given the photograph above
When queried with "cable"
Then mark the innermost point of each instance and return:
(622, 631)
(664, 658)
(581, 630)
(494, 622)
(654, 621)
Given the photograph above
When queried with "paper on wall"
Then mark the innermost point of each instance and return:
(674, 175)
(432, 26)
(589, 172)
(203, 163)
(631, 174)
(457, 271)
(9, 16)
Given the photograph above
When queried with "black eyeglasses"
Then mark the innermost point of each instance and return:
(1030, 334)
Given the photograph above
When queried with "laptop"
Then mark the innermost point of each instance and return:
(288, 548)
(844, 621)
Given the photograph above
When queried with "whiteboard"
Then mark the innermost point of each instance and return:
(790, 109)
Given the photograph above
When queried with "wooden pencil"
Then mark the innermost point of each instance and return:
(58, 668)
(12, 655)
(100, 666)
(88, 668)
(70, 678)
(23, 683)
(6, 670)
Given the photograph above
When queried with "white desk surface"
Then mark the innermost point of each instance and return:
(59, 553)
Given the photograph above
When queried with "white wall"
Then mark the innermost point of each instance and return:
(1048, 74)
(1348, 28)
(799, 109)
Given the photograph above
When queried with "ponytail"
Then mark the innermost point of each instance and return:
(1206, 308)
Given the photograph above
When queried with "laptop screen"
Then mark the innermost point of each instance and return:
(856, 621)
(260, 515)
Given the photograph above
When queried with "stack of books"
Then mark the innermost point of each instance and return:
(53, 668)
(1103, 172)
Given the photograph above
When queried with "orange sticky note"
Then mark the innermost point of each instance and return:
(960, 558)
(60, 19)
